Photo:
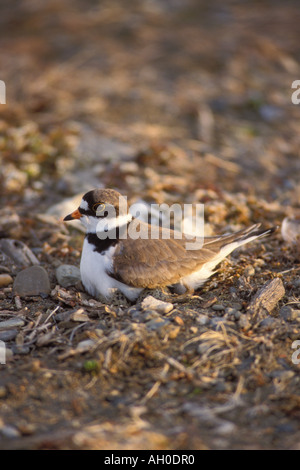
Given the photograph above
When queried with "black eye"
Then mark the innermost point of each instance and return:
(98, 208)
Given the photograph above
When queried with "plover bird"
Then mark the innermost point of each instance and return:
(115, 258)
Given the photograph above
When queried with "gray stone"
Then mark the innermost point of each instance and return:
(236, 305)
(9, 432)
(163, 327)
(8, 335)
(11, 323)
(288, 313)
(269, 323)
(157, 324)
(32, 281)
(67, 275)
(218, 307)
(237, 315)
(21, 350)
(85, 345)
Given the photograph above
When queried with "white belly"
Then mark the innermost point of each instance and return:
(94, 269)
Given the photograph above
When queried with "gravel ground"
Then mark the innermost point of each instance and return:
(166, 103)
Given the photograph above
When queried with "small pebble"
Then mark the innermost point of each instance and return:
(5, 280)
(32, 281)
(11, 323)
(150, 303)
(244, 322)
(178, 320)
(202, 319)
(85, 345)
(8, 335)
(21, 350)
(259, 262)
(237, 315)
(67, 275)
(288, 313)
(226, 427)
(218, 307)
(269, 323)
(237, 305)
(249, 271)
(4, 269)
(9, 432)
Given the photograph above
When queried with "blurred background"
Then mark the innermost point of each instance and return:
(170, 100)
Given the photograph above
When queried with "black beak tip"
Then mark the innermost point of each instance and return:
(68, 217)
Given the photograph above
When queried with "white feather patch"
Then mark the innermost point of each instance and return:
(95, 268)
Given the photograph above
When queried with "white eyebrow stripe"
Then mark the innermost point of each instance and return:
(84, 205)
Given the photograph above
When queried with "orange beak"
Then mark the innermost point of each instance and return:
(74, 215)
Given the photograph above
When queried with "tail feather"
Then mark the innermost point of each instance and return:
(214, 251)
(254, 233)
(241, 237)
